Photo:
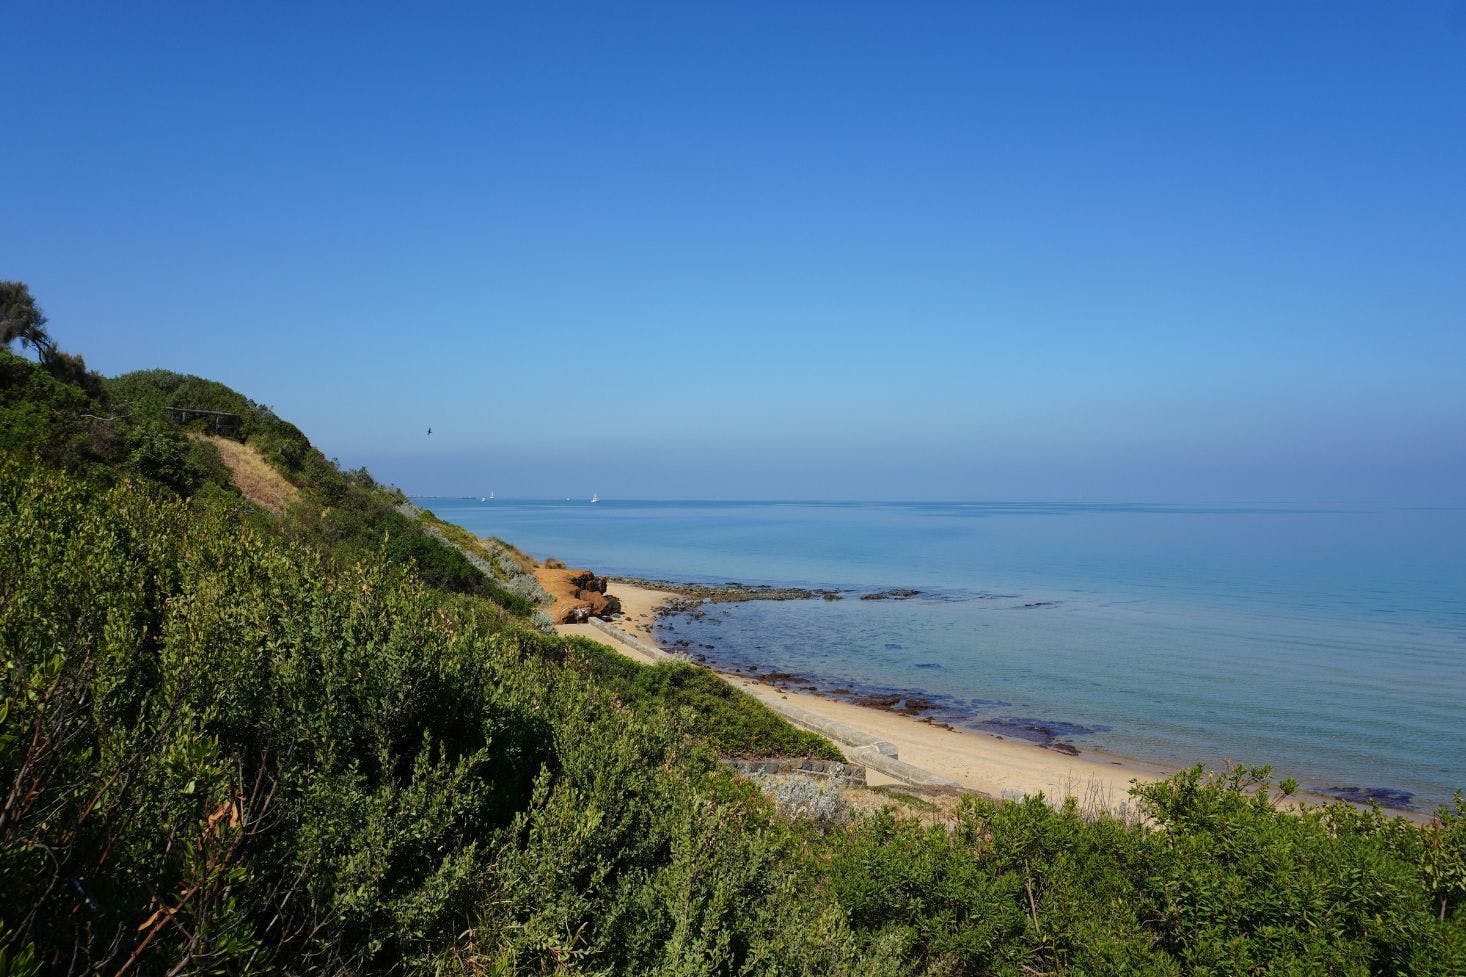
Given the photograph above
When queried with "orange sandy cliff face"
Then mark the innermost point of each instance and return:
(579, 594)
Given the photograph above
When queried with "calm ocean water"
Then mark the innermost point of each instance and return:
(1327, 640)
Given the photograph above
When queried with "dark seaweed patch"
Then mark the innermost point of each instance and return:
(907, 704)
(1042, 731)
(1383, 796)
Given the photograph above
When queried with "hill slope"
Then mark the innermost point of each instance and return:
(330, 740)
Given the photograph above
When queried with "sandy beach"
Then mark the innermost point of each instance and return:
(989, 764)
(980, 762)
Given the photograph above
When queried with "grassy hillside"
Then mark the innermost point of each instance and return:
(331, 740)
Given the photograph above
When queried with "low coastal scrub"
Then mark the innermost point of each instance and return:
(496, 558)
(117, 428)
(701, 703)
(238, 742)
(1220, 881)
(228, 753)
(805, 799)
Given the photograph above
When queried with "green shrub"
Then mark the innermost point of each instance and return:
(231, 742)
(40, 415)
(233, 752)
(1236, 883)
(708, 708)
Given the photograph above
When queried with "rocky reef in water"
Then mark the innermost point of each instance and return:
(1383, 796)
(732, 592)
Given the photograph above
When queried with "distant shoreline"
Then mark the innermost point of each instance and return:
(1165, 667)
(987, 763)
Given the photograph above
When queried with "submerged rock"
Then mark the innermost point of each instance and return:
(731, 592)
(904, 703)
(1045, 732)
(1383, 796)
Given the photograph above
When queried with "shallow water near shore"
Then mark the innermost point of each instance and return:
(1327, 640)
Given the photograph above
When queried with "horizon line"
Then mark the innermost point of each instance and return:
(560, 500)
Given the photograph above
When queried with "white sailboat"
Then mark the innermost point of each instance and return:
(594, 497)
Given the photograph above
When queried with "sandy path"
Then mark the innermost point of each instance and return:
(255, 477)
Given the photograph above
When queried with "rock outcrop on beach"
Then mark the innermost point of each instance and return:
(579, 595)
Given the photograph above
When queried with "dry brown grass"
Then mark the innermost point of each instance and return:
(252, 475)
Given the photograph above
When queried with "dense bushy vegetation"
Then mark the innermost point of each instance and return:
(1218, 880)
(226, 751)
(346, 512)
(232, 742)
(710, 709)
(510, 572)
(73, 429)
(118, 427)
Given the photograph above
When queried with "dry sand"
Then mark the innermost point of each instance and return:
(981, 762)
(638, 616)
(978, 761)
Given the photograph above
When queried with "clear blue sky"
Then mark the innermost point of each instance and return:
(1076, 250)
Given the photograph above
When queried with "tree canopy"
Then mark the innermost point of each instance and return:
(21, 319)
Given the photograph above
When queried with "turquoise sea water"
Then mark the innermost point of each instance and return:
(1327, 640)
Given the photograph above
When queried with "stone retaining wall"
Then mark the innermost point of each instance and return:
(900, 769)
(645, 647)
(831, 728)
(839, 773)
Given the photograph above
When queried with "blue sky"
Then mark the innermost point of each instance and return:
(770, 250)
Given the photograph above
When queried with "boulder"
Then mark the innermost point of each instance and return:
(579, 595)
(585, 580)
(601, 605)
